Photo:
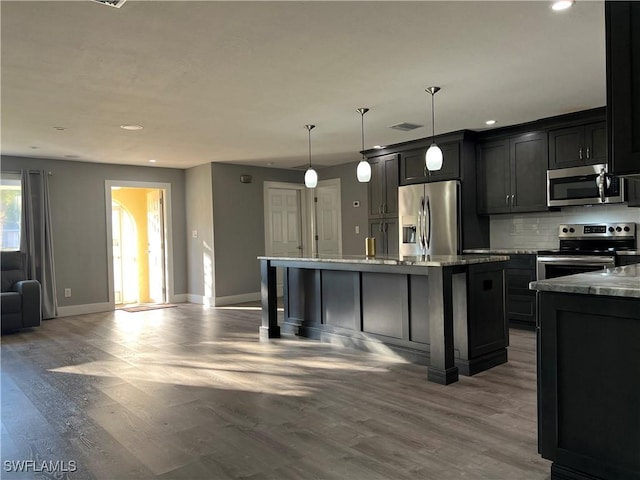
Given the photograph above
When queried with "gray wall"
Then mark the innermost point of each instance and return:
(350, 191)
(199, 218)
(238, 224)
(77, 195)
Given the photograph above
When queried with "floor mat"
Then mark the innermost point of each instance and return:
(144, 308)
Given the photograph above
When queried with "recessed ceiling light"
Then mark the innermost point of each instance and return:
(490, 122)
(33, 147)
(153, 161)
(59, 128)
(131, 127)
(269, 164)
(562, 5)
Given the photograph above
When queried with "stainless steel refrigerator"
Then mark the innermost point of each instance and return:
(429, 219)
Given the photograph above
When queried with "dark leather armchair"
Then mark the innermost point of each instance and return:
(20, 299)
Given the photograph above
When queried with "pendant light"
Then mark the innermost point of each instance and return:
(364, 168)
(310, 177)
(433, 157)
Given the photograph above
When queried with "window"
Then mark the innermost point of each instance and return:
(10, 211)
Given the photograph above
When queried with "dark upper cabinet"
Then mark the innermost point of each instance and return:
(414, 170)
(578, 145)
(633, 192)
(528, 161)
(494, 180)
(383, 187)
(622, 24)
(512, 174)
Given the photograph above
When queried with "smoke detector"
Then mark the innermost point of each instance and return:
(111, 3)
(405, 126)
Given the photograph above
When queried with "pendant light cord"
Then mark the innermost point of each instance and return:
(309, 148)
(433, 121)
(362, 118)
(309, 128)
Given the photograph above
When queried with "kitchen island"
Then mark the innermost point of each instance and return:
(445, 311)
(589, 374)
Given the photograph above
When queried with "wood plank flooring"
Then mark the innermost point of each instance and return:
(191, 393)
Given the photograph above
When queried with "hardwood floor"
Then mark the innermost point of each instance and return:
(190, 393)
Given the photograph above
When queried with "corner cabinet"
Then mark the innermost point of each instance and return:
(622, 23)
(512, 174)
(578, 145)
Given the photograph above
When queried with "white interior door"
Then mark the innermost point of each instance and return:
(284, 233)
(328, 218)
(155, 235)
(283, 225)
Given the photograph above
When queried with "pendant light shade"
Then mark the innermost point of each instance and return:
(364, 168)
(310, 176)
(433, 157)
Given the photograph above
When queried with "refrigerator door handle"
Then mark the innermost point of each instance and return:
(428, 214)
(421, 224)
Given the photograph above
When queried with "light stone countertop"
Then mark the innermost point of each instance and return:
(615, 282)
(418, 261)
(503, 251)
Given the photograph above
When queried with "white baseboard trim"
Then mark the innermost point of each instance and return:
(179, 298)
(86, 308)
(233, 299)
(200, 299)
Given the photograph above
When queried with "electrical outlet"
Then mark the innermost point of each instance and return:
(357, 229)
(67, 292)
(194, 233)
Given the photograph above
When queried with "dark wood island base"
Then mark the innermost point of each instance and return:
(446, 314)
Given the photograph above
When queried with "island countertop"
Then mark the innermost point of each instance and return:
(413, 261)
(615, 282)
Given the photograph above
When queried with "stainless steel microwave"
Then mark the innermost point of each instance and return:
(588, 185)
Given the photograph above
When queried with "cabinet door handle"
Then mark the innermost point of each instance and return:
(384, 208)
(580, 153)
(587, 152)
(513, 199)
(506, 200)
(380, 227)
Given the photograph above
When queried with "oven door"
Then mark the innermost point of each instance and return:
(553, 266)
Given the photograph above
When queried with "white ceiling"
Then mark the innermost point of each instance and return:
(237, 81)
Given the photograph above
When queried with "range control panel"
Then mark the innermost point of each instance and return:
(598, 230)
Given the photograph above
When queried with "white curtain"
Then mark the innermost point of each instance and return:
(36, 240)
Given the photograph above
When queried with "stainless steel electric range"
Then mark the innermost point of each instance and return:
(585, 248)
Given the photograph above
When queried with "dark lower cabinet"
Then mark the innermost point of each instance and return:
(386, 233)
(520, 302)
(588, 386)
(622, 260)
(622, 24)
(363, 309)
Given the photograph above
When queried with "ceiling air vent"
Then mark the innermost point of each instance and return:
(405, 126)
(111, 3)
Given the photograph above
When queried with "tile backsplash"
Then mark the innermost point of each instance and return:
(540, 230)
